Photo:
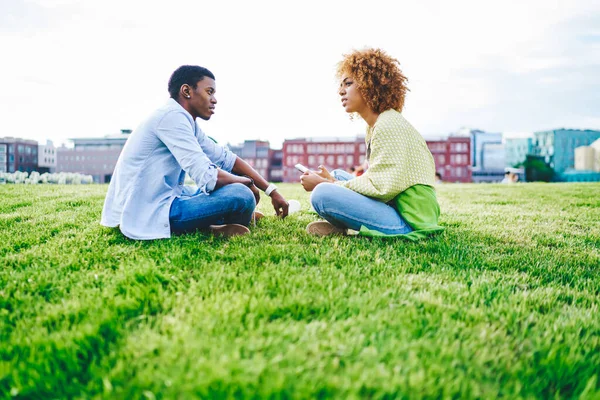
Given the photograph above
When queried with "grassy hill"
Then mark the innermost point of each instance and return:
(504, 303)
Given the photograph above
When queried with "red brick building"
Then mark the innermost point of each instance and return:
(452, 156)
(18, 155)
(333, 153)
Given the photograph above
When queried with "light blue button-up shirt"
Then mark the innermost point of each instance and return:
(151, 169)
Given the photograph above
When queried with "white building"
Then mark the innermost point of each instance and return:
(46, 157)
(587, 158)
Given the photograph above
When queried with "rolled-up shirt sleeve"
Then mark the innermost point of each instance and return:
(176, 131)
(219, 155)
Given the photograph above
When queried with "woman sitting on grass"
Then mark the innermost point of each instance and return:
(395, 195)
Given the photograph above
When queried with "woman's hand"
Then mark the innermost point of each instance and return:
(311, 179)
(323, 173)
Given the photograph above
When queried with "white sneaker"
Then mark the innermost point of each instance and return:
(324, 228)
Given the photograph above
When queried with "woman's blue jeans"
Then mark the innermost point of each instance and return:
(345, 208)
(230, 204)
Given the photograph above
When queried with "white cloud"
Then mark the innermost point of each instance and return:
(83, 68)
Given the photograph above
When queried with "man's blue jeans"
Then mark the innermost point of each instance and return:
(345, 208)
(230, 204)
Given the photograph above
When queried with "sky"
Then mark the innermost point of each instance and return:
(88, 68)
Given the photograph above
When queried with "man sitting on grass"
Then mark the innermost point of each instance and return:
(147, 198)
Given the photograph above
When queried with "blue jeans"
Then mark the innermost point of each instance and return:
(230, 204)
(345, 208)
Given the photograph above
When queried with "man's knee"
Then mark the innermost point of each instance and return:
(243, 196)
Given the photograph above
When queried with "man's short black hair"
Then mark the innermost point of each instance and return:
(187, 74)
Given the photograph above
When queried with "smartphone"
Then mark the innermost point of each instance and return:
(301, 168)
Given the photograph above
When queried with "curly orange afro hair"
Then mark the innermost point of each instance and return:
(378, 78)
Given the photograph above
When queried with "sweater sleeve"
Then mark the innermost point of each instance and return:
(383, 179)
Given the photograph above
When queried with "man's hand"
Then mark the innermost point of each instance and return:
(255, 191)
(279, 204)
(311, 179)
(323, 173)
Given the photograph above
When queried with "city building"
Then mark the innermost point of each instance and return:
(587, 158)
(3, 157)
(92, 156)
(276, 170)
(487, 155)
(46, 157)
(557, 147)
(256, 153)
(452, 157)
(584, 158)
(261, 157)
(333, 153)
(516, 150)
(587, 164)
(572, 175)
(18, 155)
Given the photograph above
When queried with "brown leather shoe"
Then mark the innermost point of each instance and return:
(228, 230)
(324, 228)
(257, 216)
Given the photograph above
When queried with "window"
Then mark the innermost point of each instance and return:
(349, 160)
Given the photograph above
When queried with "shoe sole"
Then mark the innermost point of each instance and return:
(258, 215)
(228, 230)
(321, 229)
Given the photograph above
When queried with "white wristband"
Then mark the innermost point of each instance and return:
(270, 189)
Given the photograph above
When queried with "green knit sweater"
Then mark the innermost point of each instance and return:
(402, 170)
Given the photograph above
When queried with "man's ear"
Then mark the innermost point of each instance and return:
(186, 91)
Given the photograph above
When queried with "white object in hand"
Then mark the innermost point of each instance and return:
(301, 168)
(293, 206)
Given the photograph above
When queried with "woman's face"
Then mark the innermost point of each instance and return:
(352, 100)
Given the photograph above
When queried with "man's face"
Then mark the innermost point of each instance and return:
(203, 100)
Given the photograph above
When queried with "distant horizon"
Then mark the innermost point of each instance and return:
(506, 135)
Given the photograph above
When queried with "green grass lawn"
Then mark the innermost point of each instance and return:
(504, 303)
